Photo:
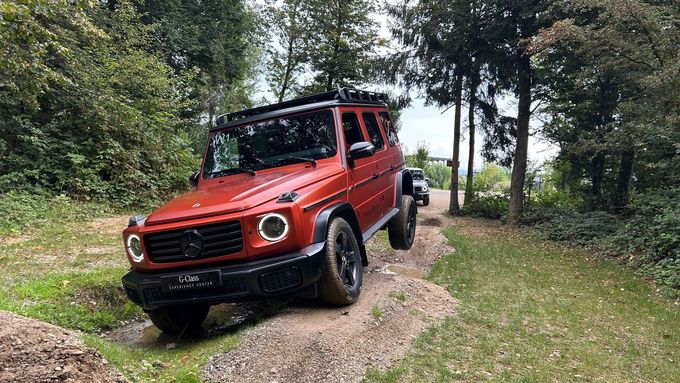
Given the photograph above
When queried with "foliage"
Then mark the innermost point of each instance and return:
(419, 159)
(22, 211)
(614, 93)
(97, 117)
(320, 45)
(650, 238)
(491, 205)
(439, 175)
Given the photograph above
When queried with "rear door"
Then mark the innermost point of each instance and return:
(394, 156)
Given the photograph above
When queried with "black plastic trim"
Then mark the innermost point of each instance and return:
(380, 224)
(240, 281)
(325, 200)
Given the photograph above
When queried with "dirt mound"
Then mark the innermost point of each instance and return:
(336, 344)
(34, 351)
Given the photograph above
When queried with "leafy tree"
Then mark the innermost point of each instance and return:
(420, 159)
(214, 38)
(290, 23)
(85, 109)
(439, 175)
(343, 38)
(614, 101)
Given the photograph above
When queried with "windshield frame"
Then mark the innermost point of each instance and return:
(334, 125)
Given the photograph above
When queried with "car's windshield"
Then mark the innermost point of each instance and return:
(417, 175)
(271, 143)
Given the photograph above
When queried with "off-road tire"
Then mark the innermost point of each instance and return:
(426, 201)
(333, 287)
(402, 227)
(175, 320)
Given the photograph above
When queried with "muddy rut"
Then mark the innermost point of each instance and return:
(309, 343)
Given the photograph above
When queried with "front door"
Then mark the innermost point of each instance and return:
(364, 191)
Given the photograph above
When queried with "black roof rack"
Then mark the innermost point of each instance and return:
(341, 95)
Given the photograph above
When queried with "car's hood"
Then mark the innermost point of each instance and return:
(419, 182)
(239, 193)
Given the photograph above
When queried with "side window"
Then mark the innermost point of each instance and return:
(373, 130)
(350, 126)
(388, 128)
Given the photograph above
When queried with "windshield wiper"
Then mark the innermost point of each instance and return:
(229, 171)
(293, 160)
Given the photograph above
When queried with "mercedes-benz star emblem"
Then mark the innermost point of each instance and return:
(192, 244)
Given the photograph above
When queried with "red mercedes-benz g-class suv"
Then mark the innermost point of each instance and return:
(286, 197)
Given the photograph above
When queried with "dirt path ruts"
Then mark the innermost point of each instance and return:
(309, 343)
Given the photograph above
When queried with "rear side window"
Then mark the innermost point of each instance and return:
(373, 130)
(350, 126)
(388, 128)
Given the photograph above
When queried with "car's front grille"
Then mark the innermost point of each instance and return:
(419, 188)
(218, 239)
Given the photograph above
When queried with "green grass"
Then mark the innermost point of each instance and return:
(179, 365)
(533, 312)
(399, 296)
(376, 312)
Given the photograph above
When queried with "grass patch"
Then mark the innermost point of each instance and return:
(376, 312)
(533, 312)
(398, 296)
(178, 365)
(90, 302)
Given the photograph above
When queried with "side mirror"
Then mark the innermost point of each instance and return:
(193, 180)
(427, 180)
(361, 150)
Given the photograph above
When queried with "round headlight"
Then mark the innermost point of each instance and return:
(424, 187)
(134, 247)
(273, 227)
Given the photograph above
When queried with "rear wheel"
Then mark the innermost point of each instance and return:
(341, 280)
(402, 227)
(175, 320)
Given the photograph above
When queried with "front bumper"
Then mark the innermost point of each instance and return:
(280, 275)
(420, 195)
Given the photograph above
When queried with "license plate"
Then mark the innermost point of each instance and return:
(191, 281)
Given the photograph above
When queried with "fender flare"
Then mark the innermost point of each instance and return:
(346, 211)
(403, 185)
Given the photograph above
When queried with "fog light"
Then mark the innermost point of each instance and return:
(273, 227)
(134, 247)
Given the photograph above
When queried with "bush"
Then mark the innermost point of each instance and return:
(650, 239)
(582, 229)
(493, 206)
(21, 210)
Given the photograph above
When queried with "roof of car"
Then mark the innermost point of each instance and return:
(344, 96)
(415, 169)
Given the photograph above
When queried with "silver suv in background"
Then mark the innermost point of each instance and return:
(421, 190)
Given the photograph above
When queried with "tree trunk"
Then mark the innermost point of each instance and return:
(454, 207)
(469, 190)
(622, 197)
(596, 178)
(519, 162)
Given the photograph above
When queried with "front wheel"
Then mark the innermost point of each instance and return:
(175, 320)
(426, 201)
(341, 280)
(402, 227)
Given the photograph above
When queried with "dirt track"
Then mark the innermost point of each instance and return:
(308, 343)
